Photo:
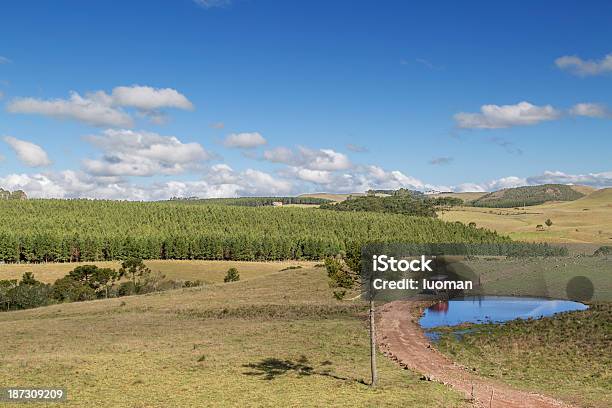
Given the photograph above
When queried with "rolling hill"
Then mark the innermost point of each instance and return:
(528, 196)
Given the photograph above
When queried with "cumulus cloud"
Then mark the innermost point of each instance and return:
(580, 67)
(278, 155)
(132, 153)
(312, 159)
(593, 110)
(86, 110)
(312, 176)
(244, 140)
(32, 155)
(101, 109)
(148, 98)
(504, 116)
(492, 185)
(218, 181)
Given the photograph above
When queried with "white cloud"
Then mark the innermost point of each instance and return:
(278, 155)
(149, 99)
(492, 185)
(259, 182)
(312, 159)
(219, 181)
(495, 116)
(245, 140)
(30, 154)
(101, 109)
(593, 110)
(323, 159)
(314, 176)
(132, 153)
(86, 110)
(580, 67)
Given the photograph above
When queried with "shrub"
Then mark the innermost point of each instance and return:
(232, 275)
(603, 251)
(126, 289)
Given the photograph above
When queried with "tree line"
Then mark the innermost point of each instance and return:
(405, 204)
(98, 230)
(253, 201)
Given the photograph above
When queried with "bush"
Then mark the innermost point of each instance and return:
(232, 275)
(29, 296)
(603, 251)
(126, 289)
(67, 289)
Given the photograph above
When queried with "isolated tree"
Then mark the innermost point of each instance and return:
(344, 272)
(232, 275)
(548, 222)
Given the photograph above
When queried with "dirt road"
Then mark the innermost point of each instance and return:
(401, 339)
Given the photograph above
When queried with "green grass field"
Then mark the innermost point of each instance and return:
(276, 339)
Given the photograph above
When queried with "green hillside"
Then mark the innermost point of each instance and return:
(527, 195)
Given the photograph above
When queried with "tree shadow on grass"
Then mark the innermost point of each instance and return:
(271, 368)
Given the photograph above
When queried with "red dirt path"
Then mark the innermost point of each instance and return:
(400, 338)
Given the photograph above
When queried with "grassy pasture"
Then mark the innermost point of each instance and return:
(206, 271)
(278, 339)
(586, 220)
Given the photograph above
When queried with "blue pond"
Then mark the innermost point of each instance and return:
(492, 309)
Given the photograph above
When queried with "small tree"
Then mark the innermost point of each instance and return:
(232, 275)
(548, 222)
(134, 268)
(28, 279)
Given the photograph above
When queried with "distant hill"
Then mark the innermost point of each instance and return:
(528, 195)
(15, 195)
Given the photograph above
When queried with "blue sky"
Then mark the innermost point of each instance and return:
(256, 97)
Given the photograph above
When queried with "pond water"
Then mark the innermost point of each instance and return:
(491, 309)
